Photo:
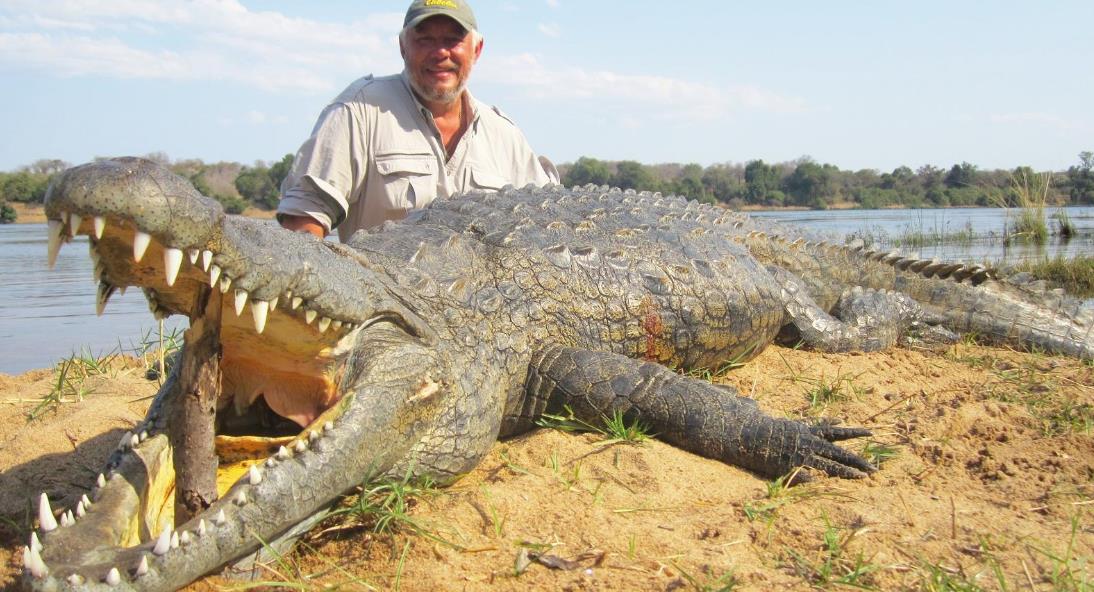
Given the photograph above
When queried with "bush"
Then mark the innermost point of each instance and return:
(7, 213)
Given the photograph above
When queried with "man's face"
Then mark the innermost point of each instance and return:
(438, 54)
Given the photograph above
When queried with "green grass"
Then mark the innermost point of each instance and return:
(285, 573)
(877, 453)
(69, 384)
(779, 493)
(614, 429)
(383, 506)
(835, 565)
(1068, 572)
(726, 582)
(1029, 193)
(1075, 276)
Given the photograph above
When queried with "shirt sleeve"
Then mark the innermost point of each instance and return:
(327, 169)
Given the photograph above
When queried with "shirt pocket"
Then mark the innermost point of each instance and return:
(487, 180)
(409, 180)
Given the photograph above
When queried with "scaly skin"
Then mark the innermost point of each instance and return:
(418, 344)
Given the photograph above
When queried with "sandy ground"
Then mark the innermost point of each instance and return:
(991, 484)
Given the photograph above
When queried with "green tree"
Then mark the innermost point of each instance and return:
(588, 170)
(723, 183)
(760, 180)
(256, 186)
(961, 175)
(24, 186)
(7, 213)
(811, 184)
(1080, 179)
(630, 174)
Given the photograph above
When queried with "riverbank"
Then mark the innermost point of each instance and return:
(985, 483)
(36, 213)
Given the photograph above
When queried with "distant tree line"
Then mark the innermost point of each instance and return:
(801, 183)
(235, 186)
(806, 183)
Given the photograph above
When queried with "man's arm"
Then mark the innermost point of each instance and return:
(302, 224)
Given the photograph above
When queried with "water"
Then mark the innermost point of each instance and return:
(47, 315)
(986, 224)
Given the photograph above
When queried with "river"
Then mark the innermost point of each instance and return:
(47, 315)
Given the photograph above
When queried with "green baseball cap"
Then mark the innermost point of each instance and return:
(457, 10)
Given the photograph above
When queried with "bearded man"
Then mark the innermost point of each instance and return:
(388, 145)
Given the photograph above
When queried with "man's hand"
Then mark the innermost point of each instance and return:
(303, 224)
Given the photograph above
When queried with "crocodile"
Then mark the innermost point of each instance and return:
(414, 346)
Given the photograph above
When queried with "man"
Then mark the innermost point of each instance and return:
(388, 145)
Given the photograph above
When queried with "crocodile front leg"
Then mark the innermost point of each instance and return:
(692, 414)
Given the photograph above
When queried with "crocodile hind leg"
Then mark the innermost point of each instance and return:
(863, 319)
(692, 414)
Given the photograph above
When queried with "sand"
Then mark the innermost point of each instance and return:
(991, 484)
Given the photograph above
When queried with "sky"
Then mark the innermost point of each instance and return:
(861, 85)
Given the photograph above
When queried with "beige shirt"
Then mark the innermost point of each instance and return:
(376, 153)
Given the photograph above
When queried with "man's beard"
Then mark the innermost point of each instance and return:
(437, 95)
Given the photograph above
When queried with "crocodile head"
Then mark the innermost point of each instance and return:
(294, 312)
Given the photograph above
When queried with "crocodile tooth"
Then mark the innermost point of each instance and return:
(328, 426)
(271, 462)
(99, 222)
(184, 538)
(113, 577)
(74, 222)
(65, 521)
(336, 324)
(144, 435)
(313, 436)
(225, 284)
(323, 324)
(175, 540)
(288, 295)
(193, 254)
(283, 453)
(134, 440)
(273, 302)
(201, 527)
(102, 296)
(241, 301)
(46, 521)
(309, 316)
(87, 502)
(140, 245)
(54, 229)
(142, 567)
(80, 510)
(214, 275)
(34, 542)
(101, 481)
(172, 261)
(296, 302)
(32, 561)
(206, 259)
(259, 309)
(241, 498)
(163, 543)
(75, 580)
(71, 517)
(220, 519)
(254, 475)
(300, 446)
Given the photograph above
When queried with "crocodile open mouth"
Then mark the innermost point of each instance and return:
(281, 355)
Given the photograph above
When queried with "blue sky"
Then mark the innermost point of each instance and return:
(856, 84)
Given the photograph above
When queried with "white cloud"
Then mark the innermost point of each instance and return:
(683, 99)
(549, 29)
(194, 40)
(552, 3)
